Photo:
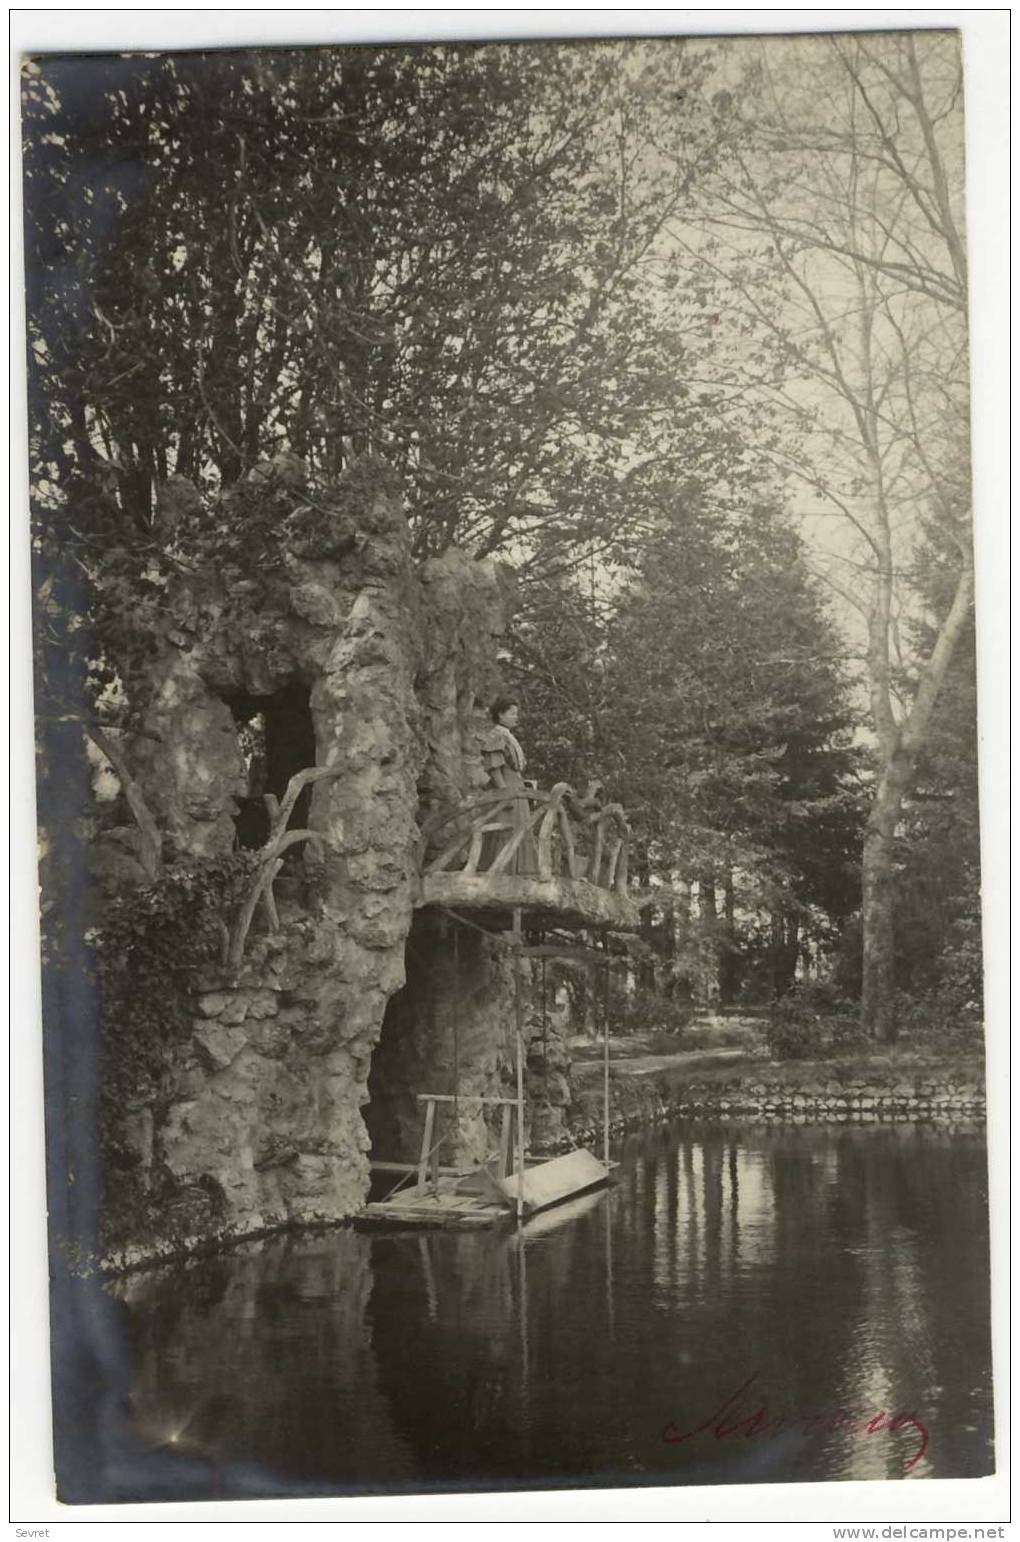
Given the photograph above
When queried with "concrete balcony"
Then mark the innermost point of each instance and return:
(558, 859)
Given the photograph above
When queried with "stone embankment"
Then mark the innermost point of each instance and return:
(795, 1092)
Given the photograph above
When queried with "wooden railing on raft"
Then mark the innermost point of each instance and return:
(559, 836)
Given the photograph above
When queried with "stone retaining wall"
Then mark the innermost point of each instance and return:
(795, 1093)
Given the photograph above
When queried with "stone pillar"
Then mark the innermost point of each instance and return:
(465, 610)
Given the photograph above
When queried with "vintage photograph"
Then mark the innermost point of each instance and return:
(507, 766)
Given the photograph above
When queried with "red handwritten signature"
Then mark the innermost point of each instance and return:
(736, 1416)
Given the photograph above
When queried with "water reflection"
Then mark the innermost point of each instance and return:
(838, 1276)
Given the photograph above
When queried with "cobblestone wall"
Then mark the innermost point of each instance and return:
(789, 1093)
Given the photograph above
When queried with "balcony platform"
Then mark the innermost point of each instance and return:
(572, 903)
(559, 860)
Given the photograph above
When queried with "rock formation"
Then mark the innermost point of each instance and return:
(256, 1119)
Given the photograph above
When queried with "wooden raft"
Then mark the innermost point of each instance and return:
(483, 1198)
(552, 1182)
(443, 1209)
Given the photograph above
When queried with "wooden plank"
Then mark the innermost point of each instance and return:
(554, 1181)
(412, 1167)
(379, 1218)
(564, 950)
(461, 1097)
(447, 1210)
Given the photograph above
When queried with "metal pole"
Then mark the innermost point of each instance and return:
(610, 1307)
(456, 1043)
(605, 1075)
(518, 1022)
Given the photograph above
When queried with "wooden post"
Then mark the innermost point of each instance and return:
(505, 1137)
(426, 1143)
(523, 1293)
(456, 1042)
(518, 1023)
(608, 1213)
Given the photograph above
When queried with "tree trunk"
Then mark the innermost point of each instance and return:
(728, 959)
(709, 919)
(646, 964)
(900, 746)
(667, 949)
(784, 949)
(878, 1015)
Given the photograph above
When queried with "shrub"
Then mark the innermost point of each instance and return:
(937, 1023)
(948, 1015)
(653, 1017)
(826, 997)
(814, 1020)
(793, 1032)
(847, 1037)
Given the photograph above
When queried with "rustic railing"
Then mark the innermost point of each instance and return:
(270, 861)
(559, 836)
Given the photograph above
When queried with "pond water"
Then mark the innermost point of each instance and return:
(744, 1305)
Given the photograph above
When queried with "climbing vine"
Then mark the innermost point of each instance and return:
(147, 951)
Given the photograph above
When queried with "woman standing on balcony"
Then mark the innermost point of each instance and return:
(504, 762)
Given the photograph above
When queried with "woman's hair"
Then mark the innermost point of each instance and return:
(500, 705)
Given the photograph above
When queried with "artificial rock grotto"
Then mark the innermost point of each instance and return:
(308, 1045)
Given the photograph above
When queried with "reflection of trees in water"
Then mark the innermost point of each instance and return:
(441, 1315)
(814, 1255)
(845, 1266)
(262, 1355)
(496, 1369)
(442, 1321)
(889, 1362)
(921, 1342)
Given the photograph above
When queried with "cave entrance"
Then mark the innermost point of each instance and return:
(409, 1051)
(444, 1030)
(277, 737)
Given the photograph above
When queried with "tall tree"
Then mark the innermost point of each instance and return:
(938, 896)
(440, 254)
(706, 688)
(837, 222)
